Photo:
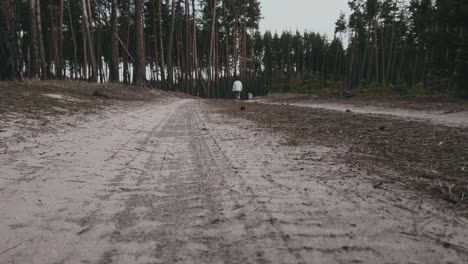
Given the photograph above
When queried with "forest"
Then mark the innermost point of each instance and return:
(199, 47)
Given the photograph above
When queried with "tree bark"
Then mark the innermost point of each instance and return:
(188, 64)
(170, 70)
(155, 37)
(114, 64)
(195, 50)
(140, 64)
(75, 46)
(60, 49)
(10, 51)
(41, 39)
(87, 29)
(212, 43)
(161, 45)
(34, 61)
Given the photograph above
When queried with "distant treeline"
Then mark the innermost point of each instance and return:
(200, 46)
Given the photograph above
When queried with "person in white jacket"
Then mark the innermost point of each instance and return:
(237, 89)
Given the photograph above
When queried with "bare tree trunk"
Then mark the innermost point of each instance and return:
(114, 65)
(75, 47)
(228, 64)
(335, 66)
(195, 50)
(41, 39)
(188, 63)
(155, 39)
(390, 55)
(60, 49)
(140, 64)
(376, 46)
(382, 40)
(370, 64)
(212, 43)
(99, 61)
(366, 51)
(216, 63)
(125, 60)
(87, 30)
(85, 52)
(52, 41)
(234, 45)
(10, 50)
(244, 48)
(350, 80)
(54, 47)
(170, 69)
(161, 44)
(34, 61)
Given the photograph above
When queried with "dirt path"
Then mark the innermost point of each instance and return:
(178, 183)
(456, 119)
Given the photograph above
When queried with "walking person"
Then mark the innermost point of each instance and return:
(237, 88)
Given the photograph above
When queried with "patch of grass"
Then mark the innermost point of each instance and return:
(293, 141)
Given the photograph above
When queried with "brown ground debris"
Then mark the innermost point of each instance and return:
(31, 96)
(425, 157)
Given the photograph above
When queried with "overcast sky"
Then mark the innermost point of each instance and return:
(314, 15)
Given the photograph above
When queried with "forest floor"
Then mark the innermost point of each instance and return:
(181, 180)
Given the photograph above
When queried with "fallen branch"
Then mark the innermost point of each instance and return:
(84, 230)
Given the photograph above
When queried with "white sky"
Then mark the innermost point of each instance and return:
(314, 15)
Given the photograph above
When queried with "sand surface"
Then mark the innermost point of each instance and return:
(177, 183)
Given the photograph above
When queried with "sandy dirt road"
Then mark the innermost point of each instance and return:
(178, 183)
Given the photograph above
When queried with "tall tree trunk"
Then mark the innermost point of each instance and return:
(10, 51)
(161, 44)
(114, 62)
(366, 51)
(170, 70)
(390, 56)
(87, 30)
(41, 39)
(350, 78)
(125, 56)
(376, 46)
(75, 47)
(34, 61)
(99, 61)
(228, 64)
(52, 40)
(60, 48)
(382, 51)
(54, 52)
(244, 49)
(235, 46)
(212, 43)
(155, 39)
(140, 64)
(195, 50)
(188, 63)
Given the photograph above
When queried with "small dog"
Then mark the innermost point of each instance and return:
(250, 96)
